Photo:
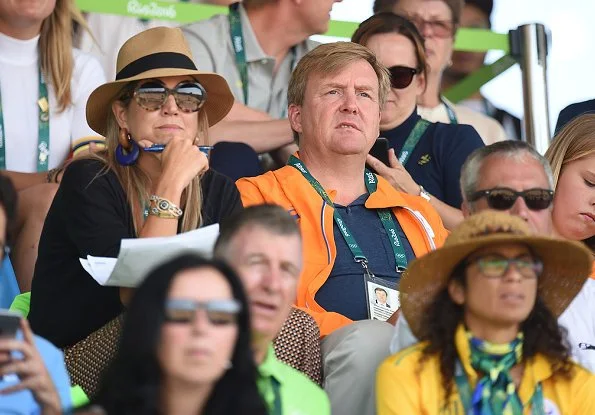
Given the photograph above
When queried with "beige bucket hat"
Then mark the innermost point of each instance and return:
(156, 53)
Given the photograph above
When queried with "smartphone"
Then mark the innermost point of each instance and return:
(380, 151)
(10, 322)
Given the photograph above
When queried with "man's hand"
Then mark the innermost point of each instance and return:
(396, 174)
(30, 369)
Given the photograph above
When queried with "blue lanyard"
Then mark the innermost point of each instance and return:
(239, 48)
(414, 136)
(449, 111)
(278, 405)
(43, 142)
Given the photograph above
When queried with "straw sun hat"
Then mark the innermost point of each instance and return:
(156, 53)
(566, 264)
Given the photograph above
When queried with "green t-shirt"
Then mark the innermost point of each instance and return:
(299, 395)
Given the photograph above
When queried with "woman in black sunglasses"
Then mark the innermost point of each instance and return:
(185, 347)
(152, 180)
(425, 158)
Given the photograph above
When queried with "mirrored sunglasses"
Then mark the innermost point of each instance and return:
(401, 76)
(219, 312)
(505, 198)
(152, 95)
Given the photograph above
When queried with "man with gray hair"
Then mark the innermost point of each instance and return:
(263, 244)
(359, 232)
(511, 176)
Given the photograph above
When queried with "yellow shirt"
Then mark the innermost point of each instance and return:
(403, 387)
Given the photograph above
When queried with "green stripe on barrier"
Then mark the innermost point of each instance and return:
(476, 80)
(152, 9)
(467, 39)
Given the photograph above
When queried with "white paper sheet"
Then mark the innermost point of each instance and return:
(139, 256)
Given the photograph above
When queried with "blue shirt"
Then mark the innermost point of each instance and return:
(23, 402)
(572, 111)
(436, 161)
(344, 291)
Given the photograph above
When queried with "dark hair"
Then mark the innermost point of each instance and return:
(380, 289)
(455, 6)
(132, 382)
(541, 331)
(388, 22)
(8, 201)
(273, 218)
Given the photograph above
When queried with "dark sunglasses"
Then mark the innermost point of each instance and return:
(189, 96)
(503, 198)
(401, 76)
(219, 312)
(496, 266)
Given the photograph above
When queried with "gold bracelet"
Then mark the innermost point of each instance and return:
(163, 208)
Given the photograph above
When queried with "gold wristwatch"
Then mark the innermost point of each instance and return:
(163, 208)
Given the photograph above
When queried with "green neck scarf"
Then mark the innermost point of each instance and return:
(495, 393)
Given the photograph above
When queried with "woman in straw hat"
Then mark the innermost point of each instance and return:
(159, 101)
(484, 307)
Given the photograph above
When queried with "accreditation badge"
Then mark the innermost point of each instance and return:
(382, 297)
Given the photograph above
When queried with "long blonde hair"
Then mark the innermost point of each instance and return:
(55, 49)
(575, 141)
(136, 183)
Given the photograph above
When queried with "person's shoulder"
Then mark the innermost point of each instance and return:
(406, 360)
(85, 64)
(300, 384)
(85, 170)
(211, 27)
(46, 349)
(574, 110)
(213, 178)
(271, 178)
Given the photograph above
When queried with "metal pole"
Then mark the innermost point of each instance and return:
(531, 45)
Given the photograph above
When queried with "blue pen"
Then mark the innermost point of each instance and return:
(158, 148)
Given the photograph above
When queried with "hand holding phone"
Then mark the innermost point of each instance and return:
(380, 151)
(22, 358)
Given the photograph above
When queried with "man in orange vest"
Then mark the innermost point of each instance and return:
(359, 232)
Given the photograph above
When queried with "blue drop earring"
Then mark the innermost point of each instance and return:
(127, 151)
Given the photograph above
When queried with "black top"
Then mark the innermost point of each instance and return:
(436, 161)
(90, 216)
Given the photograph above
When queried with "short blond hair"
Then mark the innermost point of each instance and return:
(575, 141)
(329, 59)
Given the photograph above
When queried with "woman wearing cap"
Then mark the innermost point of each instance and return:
(437, 21)
(159, 98)
(485, 307)
(425, 158)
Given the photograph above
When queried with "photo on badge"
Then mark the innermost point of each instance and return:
(383, 298)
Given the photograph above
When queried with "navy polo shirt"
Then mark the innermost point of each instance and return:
(436, 161)
(344, 291)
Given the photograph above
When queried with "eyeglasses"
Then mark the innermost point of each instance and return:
(496, 266)
(503, 198)
(189, 96)
(401, 76)
(440, 28)
(219, 312)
